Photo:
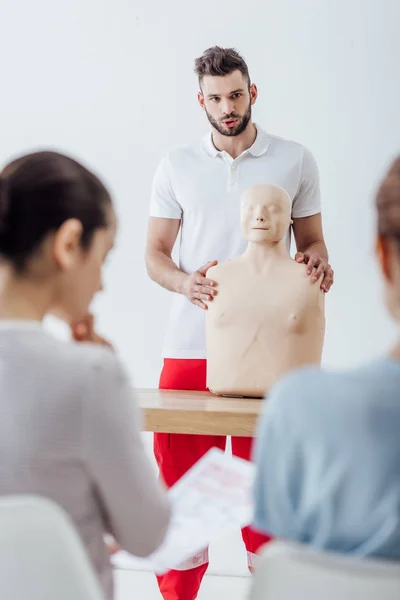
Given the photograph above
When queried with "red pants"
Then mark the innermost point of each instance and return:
(175, 454)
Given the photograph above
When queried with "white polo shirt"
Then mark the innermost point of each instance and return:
(203, 186)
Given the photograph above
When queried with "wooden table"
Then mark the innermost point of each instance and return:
(177, 411)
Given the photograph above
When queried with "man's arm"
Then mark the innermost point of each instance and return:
(312, 250)
(161, 238)
(307, 223)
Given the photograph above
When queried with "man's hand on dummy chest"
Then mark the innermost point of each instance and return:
(198, 289)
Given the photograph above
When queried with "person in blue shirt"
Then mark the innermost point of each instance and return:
(328, 448)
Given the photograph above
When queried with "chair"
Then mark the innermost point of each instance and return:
(294, 572)
(41, 555)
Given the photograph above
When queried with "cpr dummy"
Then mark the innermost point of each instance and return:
(267, 317)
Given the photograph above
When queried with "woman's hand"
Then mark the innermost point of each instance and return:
(112, 546)
(84, 332)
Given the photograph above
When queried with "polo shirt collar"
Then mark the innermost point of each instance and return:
(259, 147)
(261, 143)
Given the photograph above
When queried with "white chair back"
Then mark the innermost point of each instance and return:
(294, 572)
(41, 554)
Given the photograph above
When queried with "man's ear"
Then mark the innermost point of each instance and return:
(253, 93)
(200, 99)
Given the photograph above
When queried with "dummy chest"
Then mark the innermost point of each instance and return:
(248, 303)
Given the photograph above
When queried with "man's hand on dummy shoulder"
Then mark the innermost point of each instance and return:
(317, 266)
(198, 289)
(84, 332)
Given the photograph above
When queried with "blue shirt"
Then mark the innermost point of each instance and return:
(328, 460)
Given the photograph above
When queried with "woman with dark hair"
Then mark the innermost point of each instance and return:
(328, 451)
(69, 427)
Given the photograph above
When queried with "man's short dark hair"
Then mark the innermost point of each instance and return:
(218, 62)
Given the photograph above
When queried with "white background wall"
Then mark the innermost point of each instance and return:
(112, 84)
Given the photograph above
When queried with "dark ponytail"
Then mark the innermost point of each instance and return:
(38, 193)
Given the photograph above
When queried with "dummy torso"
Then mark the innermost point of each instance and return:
(268, 315)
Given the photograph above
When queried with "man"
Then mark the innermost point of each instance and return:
(197, 190)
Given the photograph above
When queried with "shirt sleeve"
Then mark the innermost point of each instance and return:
(278, 468)
(163, 199)
(134, 504)
(308, 198)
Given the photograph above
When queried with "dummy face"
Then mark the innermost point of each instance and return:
(227, 102)
(265, 214)
(80, 269)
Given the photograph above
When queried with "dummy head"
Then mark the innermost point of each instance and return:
(265, 214)
(57, 225)
(388, 238)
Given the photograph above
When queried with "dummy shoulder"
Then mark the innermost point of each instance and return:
(221, 269)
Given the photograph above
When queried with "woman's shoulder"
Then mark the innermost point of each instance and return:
(314, 385)
(79, 361)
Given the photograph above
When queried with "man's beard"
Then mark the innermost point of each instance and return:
(234, 131)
